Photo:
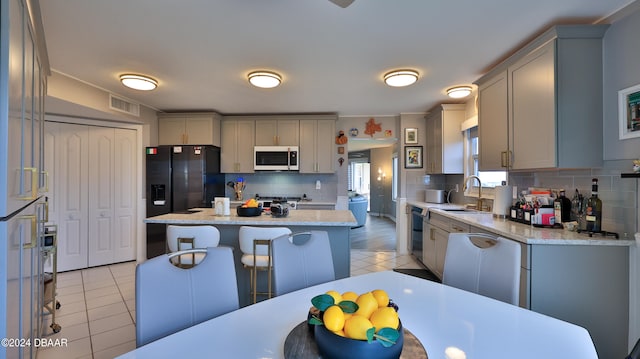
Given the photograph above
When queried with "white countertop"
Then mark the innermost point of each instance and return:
(521, 232)
(441, 317)
(299, 217)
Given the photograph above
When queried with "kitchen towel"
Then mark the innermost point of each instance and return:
(502, 201)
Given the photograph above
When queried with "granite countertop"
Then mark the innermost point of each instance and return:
(523, 233)
(301, 217)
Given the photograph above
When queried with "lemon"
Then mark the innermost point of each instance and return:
(339, 332)
(366, 305)
(337, 298)
(381, 296)
(385, 317)
(352, 296)
(356, 327)
(333, 318)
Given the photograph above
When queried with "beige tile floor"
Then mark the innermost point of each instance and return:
(97, 312)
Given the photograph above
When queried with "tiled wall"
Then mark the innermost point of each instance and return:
(287, 184)
(619, 195)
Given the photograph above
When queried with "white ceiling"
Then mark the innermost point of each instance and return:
(331, 59)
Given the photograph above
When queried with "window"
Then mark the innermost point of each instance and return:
(489, 178)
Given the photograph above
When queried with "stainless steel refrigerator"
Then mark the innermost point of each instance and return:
(179, 178)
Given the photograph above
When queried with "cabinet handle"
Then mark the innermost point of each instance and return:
(32, 218)
(34, 184)
(505, 158)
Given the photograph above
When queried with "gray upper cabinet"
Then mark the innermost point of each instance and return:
(546, 100)
(189, 129)
(236, 152)
(317, 145)
(445, 143)
(277, 132)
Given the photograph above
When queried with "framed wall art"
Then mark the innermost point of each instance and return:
(410, 135)
(413, 157)
(629, 112)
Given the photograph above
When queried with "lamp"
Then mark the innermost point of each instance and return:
(264, 79)
(400, 78)
(138, 82)
(459, 91)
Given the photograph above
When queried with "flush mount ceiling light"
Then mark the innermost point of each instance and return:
(400, 78)
(138, 82)
(459, 91)
(264, 79)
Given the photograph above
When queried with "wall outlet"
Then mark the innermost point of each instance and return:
(318, 185)
(457, 188)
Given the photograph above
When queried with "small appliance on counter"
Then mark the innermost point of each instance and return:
(435, 195)
(279, 210)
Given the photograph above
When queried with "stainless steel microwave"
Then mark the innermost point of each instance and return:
(275, 158)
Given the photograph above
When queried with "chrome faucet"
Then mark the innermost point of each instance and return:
(464, 189)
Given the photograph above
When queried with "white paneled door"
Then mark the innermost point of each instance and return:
(93, 199)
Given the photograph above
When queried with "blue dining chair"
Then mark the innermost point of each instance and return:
(170, 298)
(299, 264)
(492, 271)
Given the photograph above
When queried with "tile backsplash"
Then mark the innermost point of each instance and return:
(619, 195)
(286, 184)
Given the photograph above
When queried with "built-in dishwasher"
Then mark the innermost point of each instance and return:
(417, 216)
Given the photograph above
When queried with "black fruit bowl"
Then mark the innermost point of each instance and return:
(333, 346)
(249, 211)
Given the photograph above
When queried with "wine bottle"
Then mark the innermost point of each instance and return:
(593, 210)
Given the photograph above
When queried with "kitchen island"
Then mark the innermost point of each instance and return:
(571, 276)
(336, 223)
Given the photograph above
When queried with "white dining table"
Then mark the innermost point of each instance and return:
(449, 322)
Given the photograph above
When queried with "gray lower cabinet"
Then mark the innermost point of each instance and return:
(587, 285)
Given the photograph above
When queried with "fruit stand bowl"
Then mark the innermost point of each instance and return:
(249, 211)
(334, 346)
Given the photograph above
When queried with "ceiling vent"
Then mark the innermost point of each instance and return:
(122, 105)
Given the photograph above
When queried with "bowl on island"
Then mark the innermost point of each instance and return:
(249, 211)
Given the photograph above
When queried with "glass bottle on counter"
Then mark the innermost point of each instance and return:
(562, 208)
(593, 209)
(576, 209)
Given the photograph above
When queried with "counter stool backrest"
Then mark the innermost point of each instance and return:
(181, 238)
(255, 245)
(493, 271)
(169, 299)
(297, 266)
